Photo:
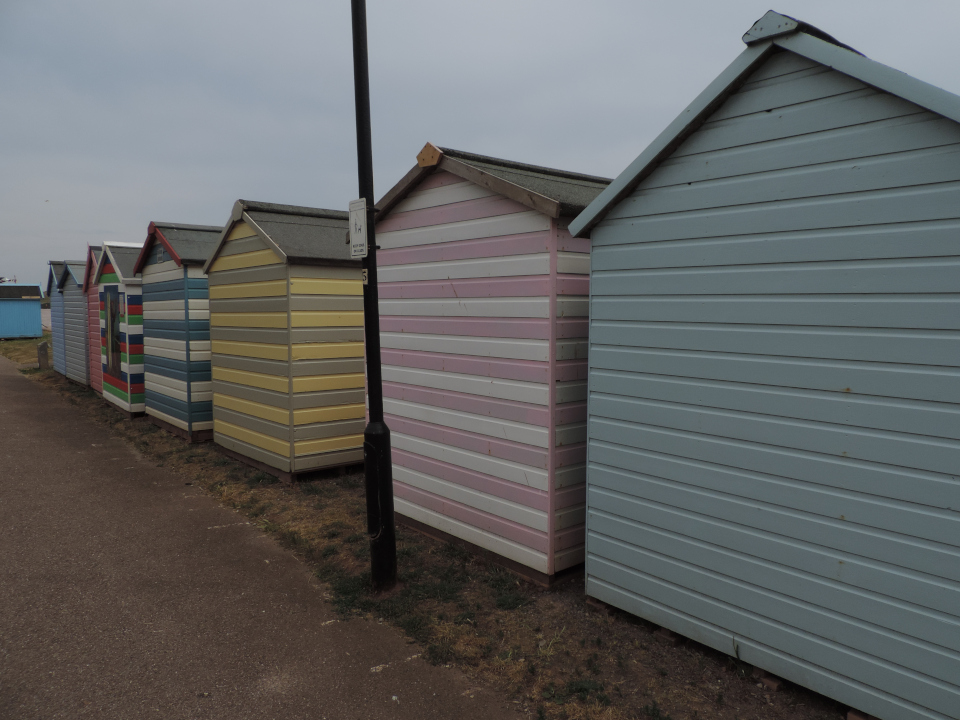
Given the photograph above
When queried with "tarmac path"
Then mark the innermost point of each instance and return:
(126, 594)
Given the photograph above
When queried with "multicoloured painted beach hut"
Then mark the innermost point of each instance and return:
(74, 300)
(483, 304)
(58, 349)
(774, 429)
(20, 312)
(286, 330)
(176, 327)
(92, 292)
(121, 327)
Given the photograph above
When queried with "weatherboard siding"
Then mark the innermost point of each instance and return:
(58, 329)
(75, 332)
(775, 392)
(176, 320)
(287, 357)
(472, 303)
(94, 356)
(125, 385)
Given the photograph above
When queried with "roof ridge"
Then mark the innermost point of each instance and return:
(183, 226)
(257, 206)
(513, 165)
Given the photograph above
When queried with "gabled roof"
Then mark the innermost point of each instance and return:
(53, 276)
(71, 268)
(90, 268)
(299, 235)
(773, 32)
(186, 244)
(123, 257)
(553, 192)
(19, 292)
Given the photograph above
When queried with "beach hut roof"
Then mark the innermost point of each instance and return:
(19, 292)
(553, 192)
(123, 257)
(186, 244)
(90, 268)
(297, 234)
(71, 268)
(770, 34)
(53, 277)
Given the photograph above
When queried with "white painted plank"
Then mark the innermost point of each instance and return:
(569, 263)
(445, 195)
(475, 346)
(493, 427)
(570, 434)
(572, 349)
(475, 385)
(570, 475)
(176, 422)
(571, 391)
(469, 307)
(513, 224)
(571, 516)
(573, 306)
(514, 265)
(175, 273)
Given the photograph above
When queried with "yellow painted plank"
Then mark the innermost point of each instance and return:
(250, 349)
(263, 288)
(305, 416)
(281, 447)
(241, 230)
(312, 318)
(245, 260)
(248, 407)
(251, 379)
(323, 351)
(309, 447)
(317, 383)
(249, 320)
(325, 286)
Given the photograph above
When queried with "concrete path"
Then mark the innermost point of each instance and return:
(126, 594)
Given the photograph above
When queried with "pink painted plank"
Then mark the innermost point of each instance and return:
(573, 284)
(485, 521)
(567, 243)
(520, 286)
(571, 454)
(571, 413)
(473, 404)
(438, 178)
(571, 370)
(526, 370)
(522, 328)
(523, 244)
(568, 497)
(484, 207)
(570, 537)
(527, 496)
(503, 449)
(572, 328)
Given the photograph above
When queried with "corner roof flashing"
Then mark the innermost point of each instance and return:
(776, 25)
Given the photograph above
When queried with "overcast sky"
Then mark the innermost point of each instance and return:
(115, 113)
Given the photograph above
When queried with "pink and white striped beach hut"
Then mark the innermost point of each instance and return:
(484, 299)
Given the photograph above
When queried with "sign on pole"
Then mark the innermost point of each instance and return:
(358, 228)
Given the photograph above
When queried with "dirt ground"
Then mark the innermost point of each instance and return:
(547, 650)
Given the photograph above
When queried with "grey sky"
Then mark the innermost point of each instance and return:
(115, 113)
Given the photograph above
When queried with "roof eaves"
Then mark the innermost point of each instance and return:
(403, 188)
(675, 133)
(533, 200)
(264, 236)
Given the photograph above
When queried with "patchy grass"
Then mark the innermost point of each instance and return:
(545, 649)
(25, 351)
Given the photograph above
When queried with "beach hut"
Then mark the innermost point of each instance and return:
(92, 292)
(74, 300)
(775, 375)
(20, 312)
(286, 331)
(57, 349)
(176, 327)
(121, 327)
(483, 304)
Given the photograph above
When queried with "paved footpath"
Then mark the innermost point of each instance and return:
(126, 594)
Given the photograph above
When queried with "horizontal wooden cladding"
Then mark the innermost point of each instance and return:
(325, 445)
(301, 401)
(491, 408)
(572, 263)
(251, 444)
(495, 247)
(263, 288)
(535, 393)
(424, 199)
(891, 380)
(328, 458)
(508, 369)
(242, 245)
(251, 349)
(514, 224)
(899, 241)
(305, 318)
(250, 319)
(931, 419)
(313, 383)
(248, 276)
(282, 336)
(310, 415)
(331, 366)
(518, 349)
(486, 267)
(298, 318)
(511, 550)
(326, 303)
(326, 286)
(506, 307)
(514, 328)
(858, 311)
(257, 258)
(754, 616)
(249, 407)
(307, 351)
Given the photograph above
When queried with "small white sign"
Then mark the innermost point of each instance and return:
(358, 228)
